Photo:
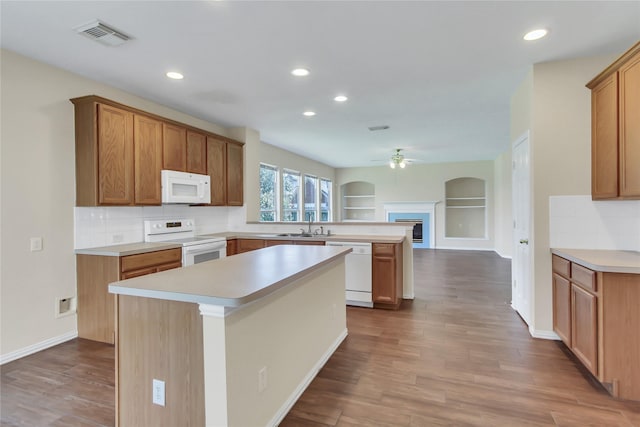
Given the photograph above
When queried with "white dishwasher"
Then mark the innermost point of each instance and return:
(358, 273)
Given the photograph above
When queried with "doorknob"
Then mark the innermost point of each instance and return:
(525, 241)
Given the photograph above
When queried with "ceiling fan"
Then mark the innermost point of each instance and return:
(398, 159)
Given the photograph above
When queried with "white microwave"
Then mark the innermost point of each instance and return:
(186, 188)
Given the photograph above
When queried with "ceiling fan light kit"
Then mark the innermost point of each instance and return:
(397, 159)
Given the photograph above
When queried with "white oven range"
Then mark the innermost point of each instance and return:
(195, 249)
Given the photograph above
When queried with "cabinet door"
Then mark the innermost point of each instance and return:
(115, 156)
(217, 170)
(174, 147)
(246, 245)
(147, 142)
(584, 328)
(309, 242)
(196, 153)
(383, 279)
(562, 308)
(604, 139)
(234, 174)
(232, 247)
(629, 145)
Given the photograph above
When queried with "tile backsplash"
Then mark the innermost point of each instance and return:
(104, 226)
(581, 223)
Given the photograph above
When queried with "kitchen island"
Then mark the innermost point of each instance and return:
(234, 342)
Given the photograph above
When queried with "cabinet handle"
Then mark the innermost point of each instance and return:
(525, 241)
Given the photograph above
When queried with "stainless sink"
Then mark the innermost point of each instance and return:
(295, 235)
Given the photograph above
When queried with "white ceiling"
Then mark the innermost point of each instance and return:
(440, 74)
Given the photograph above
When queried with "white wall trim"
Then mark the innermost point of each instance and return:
(455, 248)
(34, 348)
(543, 334)
(502, 255)
(288, 404)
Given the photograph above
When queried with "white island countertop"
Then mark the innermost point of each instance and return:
(232, 281)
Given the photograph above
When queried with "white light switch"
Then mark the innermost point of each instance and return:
(158, 392)
(36, 244)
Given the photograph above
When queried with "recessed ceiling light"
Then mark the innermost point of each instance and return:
(309, 113)
(340, 98)
(175, 75)
(535, 34)
(300, 72)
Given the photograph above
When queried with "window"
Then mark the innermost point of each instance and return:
(268, 193)
(325, 200)
(290, 195)
(310, 197)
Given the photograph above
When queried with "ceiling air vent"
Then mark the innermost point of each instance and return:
(102, 33)
(375, 128)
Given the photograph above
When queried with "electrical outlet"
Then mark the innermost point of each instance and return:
(158, 392)
(36, 244)
(262, 379)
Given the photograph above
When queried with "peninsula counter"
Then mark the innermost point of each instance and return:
(235, 341)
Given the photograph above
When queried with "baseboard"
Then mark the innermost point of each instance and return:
(288, 404)
(42, 345)
(455, 248)
(543, 334)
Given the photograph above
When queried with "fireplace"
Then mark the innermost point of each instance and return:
(417, 228)
(422, 214)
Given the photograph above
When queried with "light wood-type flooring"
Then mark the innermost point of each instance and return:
(456, 355)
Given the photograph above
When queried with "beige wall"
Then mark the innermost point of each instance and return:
(425, 182)
(503, 220)
(555, 105)
(38, 194)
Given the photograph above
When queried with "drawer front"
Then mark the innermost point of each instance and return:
(149, 259)
(560, 266)
(246, 245)
(383, 249)
(583, 277)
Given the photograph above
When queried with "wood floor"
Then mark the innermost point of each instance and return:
(456, 355)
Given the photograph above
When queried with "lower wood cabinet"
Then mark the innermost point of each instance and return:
(247, 245)
(232, 247)
(596, 315)
(386, 272)
(96, 306)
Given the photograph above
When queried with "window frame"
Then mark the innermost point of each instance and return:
(299, 211)
(330, 197)
(276, 187)
(316, 198)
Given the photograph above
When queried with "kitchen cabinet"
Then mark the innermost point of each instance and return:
(615, 129)
(96, 306)
(147, 143)
(232, 247)
(596, 316)
(120, 151)
(309, 242)
(246, 245)
(386, 272)
(174, 147)
(235, 173)
(196, 153)
(217, 170)
(269, 243)
(104, 154)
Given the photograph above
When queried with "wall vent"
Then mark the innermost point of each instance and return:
(102, 33)
(375, 128)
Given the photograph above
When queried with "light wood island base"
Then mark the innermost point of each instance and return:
(223, 365)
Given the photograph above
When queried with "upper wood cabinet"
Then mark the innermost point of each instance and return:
(196, 153)
(174, 147)
(217, 170)
(147, 138)
(225, 167)
(235, 174)
(615, 129)
(104, 154)
(120, 152)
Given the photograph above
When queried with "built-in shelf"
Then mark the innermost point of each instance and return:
(358, 201)
(465, 213)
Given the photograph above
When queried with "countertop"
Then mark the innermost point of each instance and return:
(320, 237)
(607, 261)
(127, 249)
(232, 281)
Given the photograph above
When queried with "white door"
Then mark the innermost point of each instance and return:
(522, 245)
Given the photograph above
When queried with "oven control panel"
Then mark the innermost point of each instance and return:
(163, 226)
